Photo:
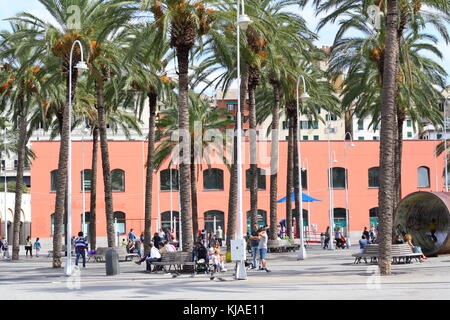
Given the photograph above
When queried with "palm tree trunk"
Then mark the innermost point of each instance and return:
(105, 164)
(194, 194)
(19, 181)
(274, 162)
(152, 97)
(61, 179)
(186, 215)
(253, 161)
(289, 179)
(93, 199)
(386, 192)
(295, 173)
(232, 198)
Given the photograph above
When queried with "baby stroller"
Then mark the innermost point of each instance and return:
(201, 259)
(341, 243)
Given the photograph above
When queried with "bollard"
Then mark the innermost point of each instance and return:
(111, 262)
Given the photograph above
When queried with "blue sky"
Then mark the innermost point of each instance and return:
(9, 8)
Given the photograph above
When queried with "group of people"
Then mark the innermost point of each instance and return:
(341, 241)
(364, 241)
(209, 258)
(208, 237)
(4, 247)
(258, 244)
(160, 239)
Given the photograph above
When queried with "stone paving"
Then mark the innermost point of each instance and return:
(324, 275)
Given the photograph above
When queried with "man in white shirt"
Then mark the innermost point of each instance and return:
(219, 235)
(153, 256)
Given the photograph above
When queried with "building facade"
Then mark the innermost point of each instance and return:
(421, 172)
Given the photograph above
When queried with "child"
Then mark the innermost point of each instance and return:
(124, 243)
(37, 247)
(216, 261)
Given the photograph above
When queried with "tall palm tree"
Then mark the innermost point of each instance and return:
(55, 41)
(204, 120)
(22, 82)
(188, 21)
(146, 75)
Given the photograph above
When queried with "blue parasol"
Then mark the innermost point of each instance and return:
(305, 198)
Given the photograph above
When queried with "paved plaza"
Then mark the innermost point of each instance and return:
(324, 275)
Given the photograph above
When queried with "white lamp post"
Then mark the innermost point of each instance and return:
(83, 132)
(304, 97)
(243, 21)
(330, 188)
(6, 188)
(80, 66)
(347, 217)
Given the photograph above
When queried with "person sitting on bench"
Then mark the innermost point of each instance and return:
(153, 256)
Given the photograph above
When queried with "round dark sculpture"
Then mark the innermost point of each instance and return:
(426, 216)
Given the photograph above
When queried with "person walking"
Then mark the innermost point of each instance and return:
(338, 238)
(219, 235)
(327, 238)
(262, 247)
(131, 235)
(254, 243)
(81, 245)
(4, 247)
(28, 247)
(37, 247)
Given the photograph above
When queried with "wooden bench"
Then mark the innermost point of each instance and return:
(399, 252)
(99, 255)
(281, 246)
(181, 261)
(167, 259)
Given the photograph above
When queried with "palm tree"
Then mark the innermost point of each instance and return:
(203, 119)
(21, 86)
(55, 43)
(146, 75)
(188, 21)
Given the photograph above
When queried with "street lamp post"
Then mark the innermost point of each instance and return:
(5, 188)
(347, 217)
(330, 188)
(80, 66)
(243, 22)
(304, 97)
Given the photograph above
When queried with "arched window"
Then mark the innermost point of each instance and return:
(120, 222)
(305, 216)
(423, 175)
(209, 220)
(261, 179)
(118, 180)
(339, 215)
(374, 181)
(52, 225)
(338, 178)
(262, 219)
(87, 221)
(373, 216)
(87, 180)
(304, 179)
(213, 179)
(53, 179)
(166, 183)
(167, 222)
